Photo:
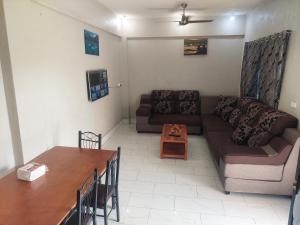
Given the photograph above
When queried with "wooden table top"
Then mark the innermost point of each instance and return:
(167, 130)
(49, 199)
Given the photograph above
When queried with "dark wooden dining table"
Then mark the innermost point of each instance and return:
(50, 198)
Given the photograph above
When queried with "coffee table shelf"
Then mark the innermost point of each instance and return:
(174, 147)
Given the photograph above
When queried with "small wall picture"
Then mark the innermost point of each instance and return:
(91, 41)
(195, 46)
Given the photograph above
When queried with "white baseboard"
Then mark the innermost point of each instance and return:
(109, 134)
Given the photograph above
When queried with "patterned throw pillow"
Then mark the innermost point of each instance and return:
(255, 109)
(259, 137)
(270, 117)
(165, 95)
(189, 107)
(241, 134)
(188, 95)
(226, 113)
(235, 117)
(163, 107)
(244, 103)
(223, 102)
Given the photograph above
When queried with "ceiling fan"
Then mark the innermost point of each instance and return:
(186, 19)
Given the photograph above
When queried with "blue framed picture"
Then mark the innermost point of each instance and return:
(91, 42)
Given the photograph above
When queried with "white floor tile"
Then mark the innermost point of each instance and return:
(176, 189)
(225, 220)
(152, 201)
(209, 206)
(162, 217)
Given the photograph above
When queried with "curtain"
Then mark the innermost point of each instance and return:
(250, 68)
(263, 68)
(272, 65)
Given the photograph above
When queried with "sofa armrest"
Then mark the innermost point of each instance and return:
(145, 99)
(208, 104)
(144, 110)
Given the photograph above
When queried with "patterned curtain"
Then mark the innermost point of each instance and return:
(263, 68)
(250, 67)
(272, 65)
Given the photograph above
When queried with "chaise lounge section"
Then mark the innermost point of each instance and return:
(265, 161)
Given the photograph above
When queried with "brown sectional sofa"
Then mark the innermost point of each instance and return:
(265, 162)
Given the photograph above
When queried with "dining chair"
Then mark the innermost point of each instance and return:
(85, 210)
(109, 190)
(89, 140)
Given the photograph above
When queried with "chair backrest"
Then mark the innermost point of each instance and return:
(89, 140)
(87, 199)
(112, 174)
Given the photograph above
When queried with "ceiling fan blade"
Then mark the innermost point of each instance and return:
(200, 21)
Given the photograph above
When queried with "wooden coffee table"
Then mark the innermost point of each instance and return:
(174, 141)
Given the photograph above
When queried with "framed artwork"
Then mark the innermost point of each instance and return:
(195, 46)
(91, 42)
(97, 84)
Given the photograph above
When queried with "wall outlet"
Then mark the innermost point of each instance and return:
(293, 104)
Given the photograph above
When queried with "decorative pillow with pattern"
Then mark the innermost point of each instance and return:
(163, 107)
(235, 117)
(223, 102)
(241, 134)
(189, 107)
(244, 103)
(245, 119)
(188, 95)
(225, 114)
(259, 137)
(255, 109)
(166, 95)
(269, 118)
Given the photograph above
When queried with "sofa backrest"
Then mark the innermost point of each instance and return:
(176, 102)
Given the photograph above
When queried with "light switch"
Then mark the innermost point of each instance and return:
(293, 104)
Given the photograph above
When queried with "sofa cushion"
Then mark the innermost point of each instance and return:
(242, 133)
(244, 103)
(187, 95)
(259, 137)
(225, 114)
(191, 120)
(188, 107)
(166, 95)
(259, 156)
(144, 110)
(163, 107)
(225, 101)
(215, 123)
(276, 121)
(235, 117)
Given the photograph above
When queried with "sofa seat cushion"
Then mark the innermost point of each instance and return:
(215, 123)
(275, 153)
(190, 120)
(221, 144)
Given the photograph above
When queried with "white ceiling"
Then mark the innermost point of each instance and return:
(169, 8)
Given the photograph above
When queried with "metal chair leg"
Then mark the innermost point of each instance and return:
(117, 206)
(105, 214)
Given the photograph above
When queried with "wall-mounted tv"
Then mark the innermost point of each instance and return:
(97, 84)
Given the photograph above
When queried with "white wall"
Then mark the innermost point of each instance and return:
(155, 58)
(160, 64)
(49, 64)
(276, 16)
(6, 150)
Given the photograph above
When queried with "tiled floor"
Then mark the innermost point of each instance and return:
(178, 192)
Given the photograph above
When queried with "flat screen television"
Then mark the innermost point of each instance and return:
(97, 84)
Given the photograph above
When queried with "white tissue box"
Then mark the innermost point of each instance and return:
(31, 171)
